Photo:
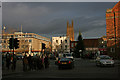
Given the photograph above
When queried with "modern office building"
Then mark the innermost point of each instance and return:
(28, 42)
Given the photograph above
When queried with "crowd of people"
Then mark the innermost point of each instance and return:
(35, 62)
(11, 60)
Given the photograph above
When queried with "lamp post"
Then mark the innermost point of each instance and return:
(115, 32)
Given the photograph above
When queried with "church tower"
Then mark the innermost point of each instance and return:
(70, 31)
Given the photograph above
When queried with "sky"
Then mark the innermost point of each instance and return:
(49, 19)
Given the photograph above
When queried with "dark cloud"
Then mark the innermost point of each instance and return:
(51, 18)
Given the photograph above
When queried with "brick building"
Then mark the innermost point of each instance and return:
(113, 29)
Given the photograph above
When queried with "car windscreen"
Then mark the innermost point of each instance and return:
(68, 54)
(64, 59)
(105, 57)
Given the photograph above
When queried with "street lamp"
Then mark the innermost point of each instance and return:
(115, 32)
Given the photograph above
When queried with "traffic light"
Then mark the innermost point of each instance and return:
(43, 46)
(16, 43)
(11, 43)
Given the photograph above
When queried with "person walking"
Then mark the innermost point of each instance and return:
(46, 61)
(7, 60)
(30, 62)
(25, 63)
(14, 61)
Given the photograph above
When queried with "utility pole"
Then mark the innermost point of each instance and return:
(115, 32)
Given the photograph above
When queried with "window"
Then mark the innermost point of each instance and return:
(0, 41)
(26, 35)
(26, 40)
(61, 41)
(112, 50)
(75, 44)
(4, 41)
(16, 35)
(56, 41)
(65, 46)
(30, 40)
(30, 35)
(72, 44)
(65, 41)
(22, 46)
(4, 46)
(61, 47)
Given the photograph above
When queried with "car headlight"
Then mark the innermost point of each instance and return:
(112, 62)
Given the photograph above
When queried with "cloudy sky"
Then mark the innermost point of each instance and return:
(50, 18)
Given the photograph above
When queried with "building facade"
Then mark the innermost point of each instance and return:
(60, 44)
(70, 31)
(28, 42)
(113, 28)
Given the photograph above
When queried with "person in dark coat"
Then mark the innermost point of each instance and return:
(7, 60)
(46, 61)
(25, 63)
(14, 61)
(39, 63)
(30, 62)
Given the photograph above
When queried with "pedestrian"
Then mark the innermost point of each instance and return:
(34, 62)
(39, 63)
(14, 61)
(46, 61)
(7, 60)
(2, 61)
(30, 62)
(25, 63)
(42, 61)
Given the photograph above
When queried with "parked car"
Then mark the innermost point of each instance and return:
(19, 56)
(68, 55)
(104, 60)
(58, 57)
(65, 63)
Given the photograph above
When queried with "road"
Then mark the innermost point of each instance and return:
(83, 69)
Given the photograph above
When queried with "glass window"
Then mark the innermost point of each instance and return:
(26, 40)
(16, 35)
(61, 47)
(72, 44)
(56, 41)
(0, 41)
(75, 44)
(65, 46)
(4, 46)
(61, 41)
(30, 40)
(30, 35)
(22, 46)
(4, 41)
(65, 41)
(26, 35)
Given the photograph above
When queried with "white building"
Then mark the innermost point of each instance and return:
(60, 44)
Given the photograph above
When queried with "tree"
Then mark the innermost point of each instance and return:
(79, 48)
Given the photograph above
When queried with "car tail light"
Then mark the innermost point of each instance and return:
(69, 62)
(58, 61)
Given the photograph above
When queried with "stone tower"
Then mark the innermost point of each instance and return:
(70, 31)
